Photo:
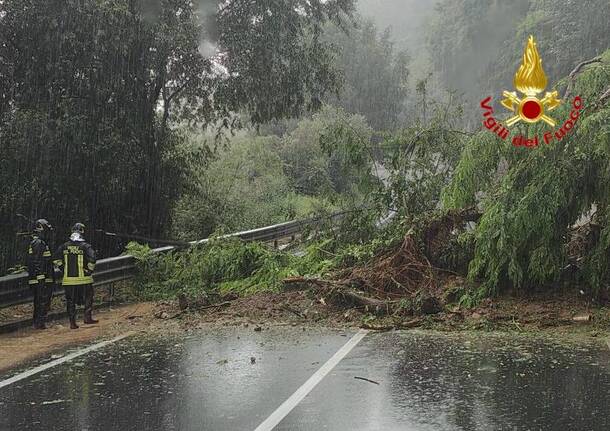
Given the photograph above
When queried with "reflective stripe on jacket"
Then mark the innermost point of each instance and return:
(76, 259)
(39, 261)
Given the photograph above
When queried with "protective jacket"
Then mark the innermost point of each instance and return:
(76, 259)
(40, 267)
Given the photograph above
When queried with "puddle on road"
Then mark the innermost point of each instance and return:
(233, 378)
(463, 381)
(229, 378)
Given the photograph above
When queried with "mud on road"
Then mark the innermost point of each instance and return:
(554, 316)
(28, 344)
(297, 378)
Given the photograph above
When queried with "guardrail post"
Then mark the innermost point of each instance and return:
(14, 289)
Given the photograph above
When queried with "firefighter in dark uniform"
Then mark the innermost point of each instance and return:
(40, 271)
(76, 259)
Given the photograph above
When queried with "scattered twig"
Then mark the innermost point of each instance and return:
(378, 328)
(221, 304)
(366, 380)
(413, 323)
(296, 312)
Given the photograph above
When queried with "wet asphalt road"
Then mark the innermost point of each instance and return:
(427, 381)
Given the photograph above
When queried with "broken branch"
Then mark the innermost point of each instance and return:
(366, 380)
(573, 73)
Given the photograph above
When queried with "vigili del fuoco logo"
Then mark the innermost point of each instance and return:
(530, 81)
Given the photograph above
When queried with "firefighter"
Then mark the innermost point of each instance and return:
(76, 259)
(40, 271)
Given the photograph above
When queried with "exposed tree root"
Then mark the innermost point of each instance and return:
(396, 282)
(340, 293)
(396, 274)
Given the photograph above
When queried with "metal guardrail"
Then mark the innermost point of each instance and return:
(14, 289)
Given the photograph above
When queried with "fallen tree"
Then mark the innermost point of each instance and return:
(399, 281)
(532, 199)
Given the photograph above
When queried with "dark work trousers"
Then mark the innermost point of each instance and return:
(40, 302)
(88, 294)
(48, 296)
(71, 298)
(75, 295)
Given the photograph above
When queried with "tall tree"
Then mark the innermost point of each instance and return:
(477, 45)
(91, 91)
(375, 74)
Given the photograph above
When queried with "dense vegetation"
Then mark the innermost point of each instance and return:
(529, 211)
(474, 45)
(165, 119)
(91, 93)
(323, 164)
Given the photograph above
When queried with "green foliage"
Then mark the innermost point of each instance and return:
(223, 266)
(530, 197)
(354, 241)
(374, 74)
(305, 164)
(231, 266)
(92, 93)
(565, 33)
(476, 168)
(329, 155)
(255, 181)
(78, 131)
(244, 187)
(220, 266)
(420, 161)
(476, 46)
(278, 63)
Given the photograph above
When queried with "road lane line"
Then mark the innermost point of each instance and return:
(62, 360)
(287, 406)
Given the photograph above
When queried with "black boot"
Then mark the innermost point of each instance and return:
(90, 320)
(39, 325)
(42, 325)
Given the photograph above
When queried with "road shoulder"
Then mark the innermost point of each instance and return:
(25, 345)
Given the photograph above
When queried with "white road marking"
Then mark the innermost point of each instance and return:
(62, 360)
(287, 406)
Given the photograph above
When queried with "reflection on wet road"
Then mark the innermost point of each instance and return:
(233, 379)
(460, 382)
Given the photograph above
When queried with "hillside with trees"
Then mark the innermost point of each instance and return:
(173, 120)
